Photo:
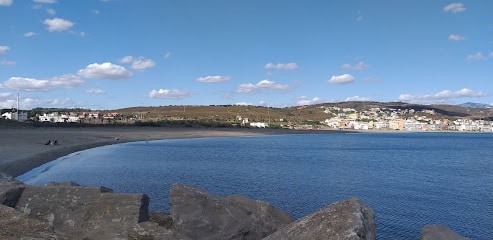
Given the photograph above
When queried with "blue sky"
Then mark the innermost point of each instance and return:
(109, 54)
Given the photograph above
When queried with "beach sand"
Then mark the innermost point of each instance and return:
(22, 149)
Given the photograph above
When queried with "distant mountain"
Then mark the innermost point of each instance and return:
(475, 105)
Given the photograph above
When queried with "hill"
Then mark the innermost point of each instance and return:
(298, 114)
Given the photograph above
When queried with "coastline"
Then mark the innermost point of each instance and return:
(22, 149)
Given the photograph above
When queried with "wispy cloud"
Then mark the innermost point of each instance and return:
(341, 79)
(213, 79)
(243, 104)
(359, 66)
(7, 63)
(303, 100)
(264, 85)
(454, 8)
(281, 66)
(455, 37)
(476, 56)
(41, 85)
(51, 11)
(105, 70)
(5, 2)
(444, 96)
(169, 94)
(29, 34)
(358, 99)
(3, 50)
(58, 24)
(167, 55)
(95, 91)
(138, 63)
(45, 1)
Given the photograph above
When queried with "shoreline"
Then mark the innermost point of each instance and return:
(23, 149)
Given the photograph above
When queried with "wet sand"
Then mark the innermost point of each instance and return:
(22, 149)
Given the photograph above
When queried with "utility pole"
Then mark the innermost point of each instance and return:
(17, 112)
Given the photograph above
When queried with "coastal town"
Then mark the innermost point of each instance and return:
(329, 117)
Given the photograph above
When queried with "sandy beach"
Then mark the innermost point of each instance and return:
(22, 149)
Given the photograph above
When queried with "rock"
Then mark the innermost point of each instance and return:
(349, 219)
(17, 225)
(10, 190)
(265, 215)
(439, 232)
(80, 211)
(201, 215)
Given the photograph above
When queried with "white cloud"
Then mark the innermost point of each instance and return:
(58, 24)
(358, 99)
(5, 62)
(476, 56)
(5, 2)
(51, 11)
(440, 97)
(491, 54)
(3, 50)
(167, 55)
(341, 79)
(358, 66)
(213, 79)
(455, 37)
(95, 11)
(45, 1)
(303, 100)
(25, 103)
(281, 66)
(243, 104)
(29, 34)
(262, 85)
(105, 70)
(35, 85)
(454, 7)
(126, 59)
(169, 94)
(5, 95)
(139, 64)
(142, 64)
(95, 91)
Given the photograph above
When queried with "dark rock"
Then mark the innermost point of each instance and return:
(264, 214)
(163, 219)
(17, 225)
(66, 184)
(10, 190)
(201, 215)
(349, 219)
(439, 232)
(81, 211)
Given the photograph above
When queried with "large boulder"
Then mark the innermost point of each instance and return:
(17, 225)
(201, 215)
(439, 232)
(80, 211)
(349, 220)
(10, 190)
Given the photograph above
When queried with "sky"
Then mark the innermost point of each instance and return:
(111, 54)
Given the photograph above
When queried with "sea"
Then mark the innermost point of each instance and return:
(408, 179)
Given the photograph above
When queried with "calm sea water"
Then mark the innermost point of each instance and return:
(408, 179)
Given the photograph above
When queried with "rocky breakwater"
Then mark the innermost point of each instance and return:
(69, 211)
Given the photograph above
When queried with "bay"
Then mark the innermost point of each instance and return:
(408, 179)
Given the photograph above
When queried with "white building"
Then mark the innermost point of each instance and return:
(21, 117)
(259, 124)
